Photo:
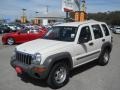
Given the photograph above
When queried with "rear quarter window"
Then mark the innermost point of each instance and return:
(105, 29)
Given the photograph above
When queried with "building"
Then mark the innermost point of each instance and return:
(50, 18)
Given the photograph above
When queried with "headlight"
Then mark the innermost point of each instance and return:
(37, 58)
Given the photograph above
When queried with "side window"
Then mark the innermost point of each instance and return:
(97, 31)
(106, 31)
(24, 31)
(85, 33)
(34, 31)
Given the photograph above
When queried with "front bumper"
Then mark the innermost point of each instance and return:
(3, 40)
(39, 72)
(118, 32)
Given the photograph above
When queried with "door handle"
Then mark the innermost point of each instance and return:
(91, 44)
(103, 40)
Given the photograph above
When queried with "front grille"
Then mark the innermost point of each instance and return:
(24, 58)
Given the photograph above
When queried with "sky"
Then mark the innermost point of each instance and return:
(12, 9)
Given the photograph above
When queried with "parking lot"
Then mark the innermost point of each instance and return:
(86, 77)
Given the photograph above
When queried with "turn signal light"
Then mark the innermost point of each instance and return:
(39, 70)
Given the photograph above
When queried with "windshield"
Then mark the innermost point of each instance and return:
(62, 33)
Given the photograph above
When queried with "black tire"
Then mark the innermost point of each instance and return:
(58, 77)
(104, 57)
(10, 41)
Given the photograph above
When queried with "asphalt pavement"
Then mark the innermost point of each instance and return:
(86, 77)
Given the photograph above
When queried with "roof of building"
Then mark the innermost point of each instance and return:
(52, 15)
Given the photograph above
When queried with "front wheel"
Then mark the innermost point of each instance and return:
(104, 57)
(58, 76)
(10, 41)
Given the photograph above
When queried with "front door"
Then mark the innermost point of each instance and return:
(22, 36)
(34, 35)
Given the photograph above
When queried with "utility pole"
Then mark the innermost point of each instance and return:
(36, 14)
(23, 11)
(23, 17)
(46, 9)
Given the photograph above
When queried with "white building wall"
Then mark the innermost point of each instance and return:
(45, 21)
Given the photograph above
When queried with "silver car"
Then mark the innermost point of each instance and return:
(116, 30)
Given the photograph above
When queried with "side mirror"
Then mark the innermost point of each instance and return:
(83, 40)
(28, 32)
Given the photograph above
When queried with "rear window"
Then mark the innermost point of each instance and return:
(105, 29)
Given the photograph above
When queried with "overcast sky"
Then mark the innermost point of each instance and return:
(12, 8)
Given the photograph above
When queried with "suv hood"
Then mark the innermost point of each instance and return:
(41, 46)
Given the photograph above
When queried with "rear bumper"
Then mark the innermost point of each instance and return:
(39, 72)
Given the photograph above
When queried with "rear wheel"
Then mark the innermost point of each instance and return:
(10, 41)
(104, 57)
(58, 76)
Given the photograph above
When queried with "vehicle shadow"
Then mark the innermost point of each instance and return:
(37, 82)
(42, 83)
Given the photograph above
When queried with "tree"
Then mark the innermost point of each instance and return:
(112, 18)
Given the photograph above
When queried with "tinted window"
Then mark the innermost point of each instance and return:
(85, 33)
(24, 31)
(106, 31)
(97, 31)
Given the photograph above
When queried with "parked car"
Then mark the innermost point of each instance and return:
(65, 47)
(22, 36)
(116, 30)
(4, 29)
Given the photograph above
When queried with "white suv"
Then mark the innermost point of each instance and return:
(65, 47)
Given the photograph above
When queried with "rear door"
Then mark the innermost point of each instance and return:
(98, 38)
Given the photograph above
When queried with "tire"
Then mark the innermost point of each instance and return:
(59, 76)
(10, 41)
(104, 57)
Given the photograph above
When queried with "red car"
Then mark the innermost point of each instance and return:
(23, 36)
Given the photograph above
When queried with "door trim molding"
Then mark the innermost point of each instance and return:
(87, 55)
